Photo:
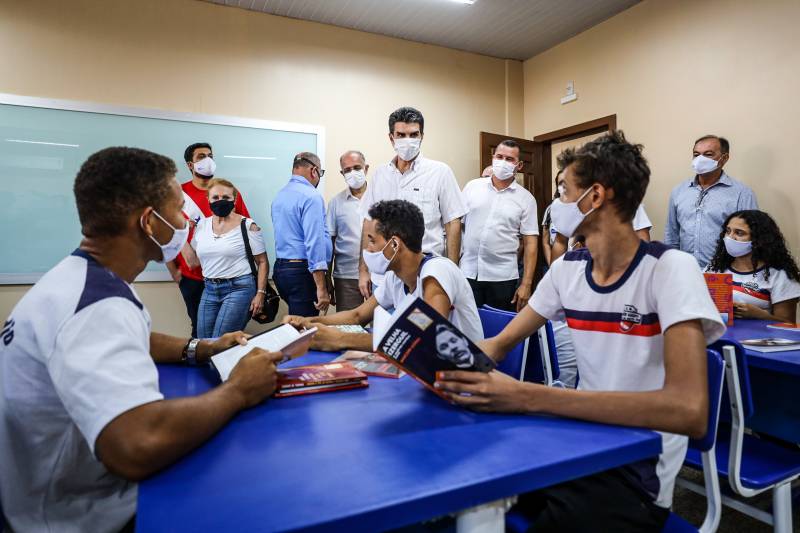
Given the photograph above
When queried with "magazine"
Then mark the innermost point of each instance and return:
(371, 364)
(421, 342)
(720, 287)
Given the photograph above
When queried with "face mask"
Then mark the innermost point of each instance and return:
(222, 208)
(205, 167)
(703, 165)
(407, 148)
(376, 262)
(355, 179)
(170, 250)
(503, 170)
(737, 248)
(567, 217)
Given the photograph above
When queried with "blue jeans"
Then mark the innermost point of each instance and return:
(296, 286)
(225, 306)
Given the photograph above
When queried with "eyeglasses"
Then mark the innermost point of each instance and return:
(321, 171)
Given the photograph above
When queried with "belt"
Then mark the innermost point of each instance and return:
(291, 260)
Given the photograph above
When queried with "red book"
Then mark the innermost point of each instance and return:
(323, 377)
(720, 286)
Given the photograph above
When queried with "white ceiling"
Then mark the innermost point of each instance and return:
(510, 29)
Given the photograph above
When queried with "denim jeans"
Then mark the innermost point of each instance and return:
(225, 306)
(296, 286)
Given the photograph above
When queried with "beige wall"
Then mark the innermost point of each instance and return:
(674, 70)
(185, 55)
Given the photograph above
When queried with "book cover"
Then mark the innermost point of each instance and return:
(323, 377)
(785, 326)
(772, 344)
(371, 364)
(421, 342)
(720, 287)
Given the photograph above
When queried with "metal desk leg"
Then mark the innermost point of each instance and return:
(486, 518)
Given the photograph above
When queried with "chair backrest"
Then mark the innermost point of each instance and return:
(716, 379)
(493, 322)
(743, 378)
(541, 358)
(552, 350)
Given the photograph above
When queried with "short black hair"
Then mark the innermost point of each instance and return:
(511, 144)
(409, 115)
(614, 163)
(188, 154)
(399, 218)
(117, 181)
(724, 145)
(306, 159)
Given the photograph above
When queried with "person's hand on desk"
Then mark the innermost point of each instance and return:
(493, 391)
(327, 338)
(254, 376)
(299, 322)
(742, 310)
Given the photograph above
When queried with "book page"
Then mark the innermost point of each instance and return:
(273, 340)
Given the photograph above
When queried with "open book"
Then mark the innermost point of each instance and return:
(285, 339)
(421, 342)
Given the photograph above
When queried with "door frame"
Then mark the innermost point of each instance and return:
(545, 167)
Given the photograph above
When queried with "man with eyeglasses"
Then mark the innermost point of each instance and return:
(302, 245)
(699, 206)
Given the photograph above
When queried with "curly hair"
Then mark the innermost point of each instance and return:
(769, 245)
(115, 182)
(400, 218)
(614, 163)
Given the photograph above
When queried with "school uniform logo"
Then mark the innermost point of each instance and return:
(630, 318)
(750, 286)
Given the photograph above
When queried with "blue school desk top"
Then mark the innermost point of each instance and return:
(366, 459)
(784, 362)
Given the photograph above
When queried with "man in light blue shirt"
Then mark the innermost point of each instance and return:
(302, 245)
(699, 206)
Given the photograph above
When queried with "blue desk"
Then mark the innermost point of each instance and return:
(774, 380)
(366, 460)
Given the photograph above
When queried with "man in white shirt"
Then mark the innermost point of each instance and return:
(500, 212)
(344, 226)
(394, 249)
(428, 184)
(81, 415)
(640, 316)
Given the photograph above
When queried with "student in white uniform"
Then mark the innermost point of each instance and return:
(81, 415)
(394, 249)
(640, 317)
(766, 280)
(500, 213)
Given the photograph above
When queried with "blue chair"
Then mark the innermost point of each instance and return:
(541, 357)
(752, 465)
(705, 448)
(493, 322)
(516, 522)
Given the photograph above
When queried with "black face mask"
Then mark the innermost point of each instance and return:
(222, 208)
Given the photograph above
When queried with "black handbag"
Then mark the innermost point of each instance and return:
(271, 300)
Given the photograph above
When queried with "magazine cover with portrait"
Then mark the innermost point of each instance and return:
(422, 342)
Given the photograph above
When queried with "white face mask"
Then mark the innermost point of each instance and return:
(567, 217)
(407, 148)
(703, 165)
(355, 179)
(737, 248)
(503, 170)
(170, 250)
(205, 167)
(376, 262)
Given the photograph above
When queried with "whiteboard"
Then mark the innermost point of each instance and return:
(43, 142)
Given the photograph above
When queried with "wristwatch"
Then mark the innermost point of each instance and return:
(189, 356)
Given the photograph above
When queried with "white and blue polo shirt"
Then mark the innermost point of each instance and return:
(74, 355)
(618, 332)
(762, 291)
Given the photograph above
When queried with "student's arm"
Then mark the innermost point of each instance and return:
(680, 406)
(530, 245)
(785, 311)
(328, 339)
(145, 439)
(169, 349)
(452, 231)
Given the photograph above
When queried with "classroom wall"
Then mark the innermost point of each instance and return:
(186, 55)
(673, 71)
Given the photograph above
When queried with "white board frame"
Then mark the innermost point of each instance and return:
(144, 112)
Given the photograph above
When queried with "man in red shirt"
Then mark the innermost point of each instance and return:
(200, 160)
